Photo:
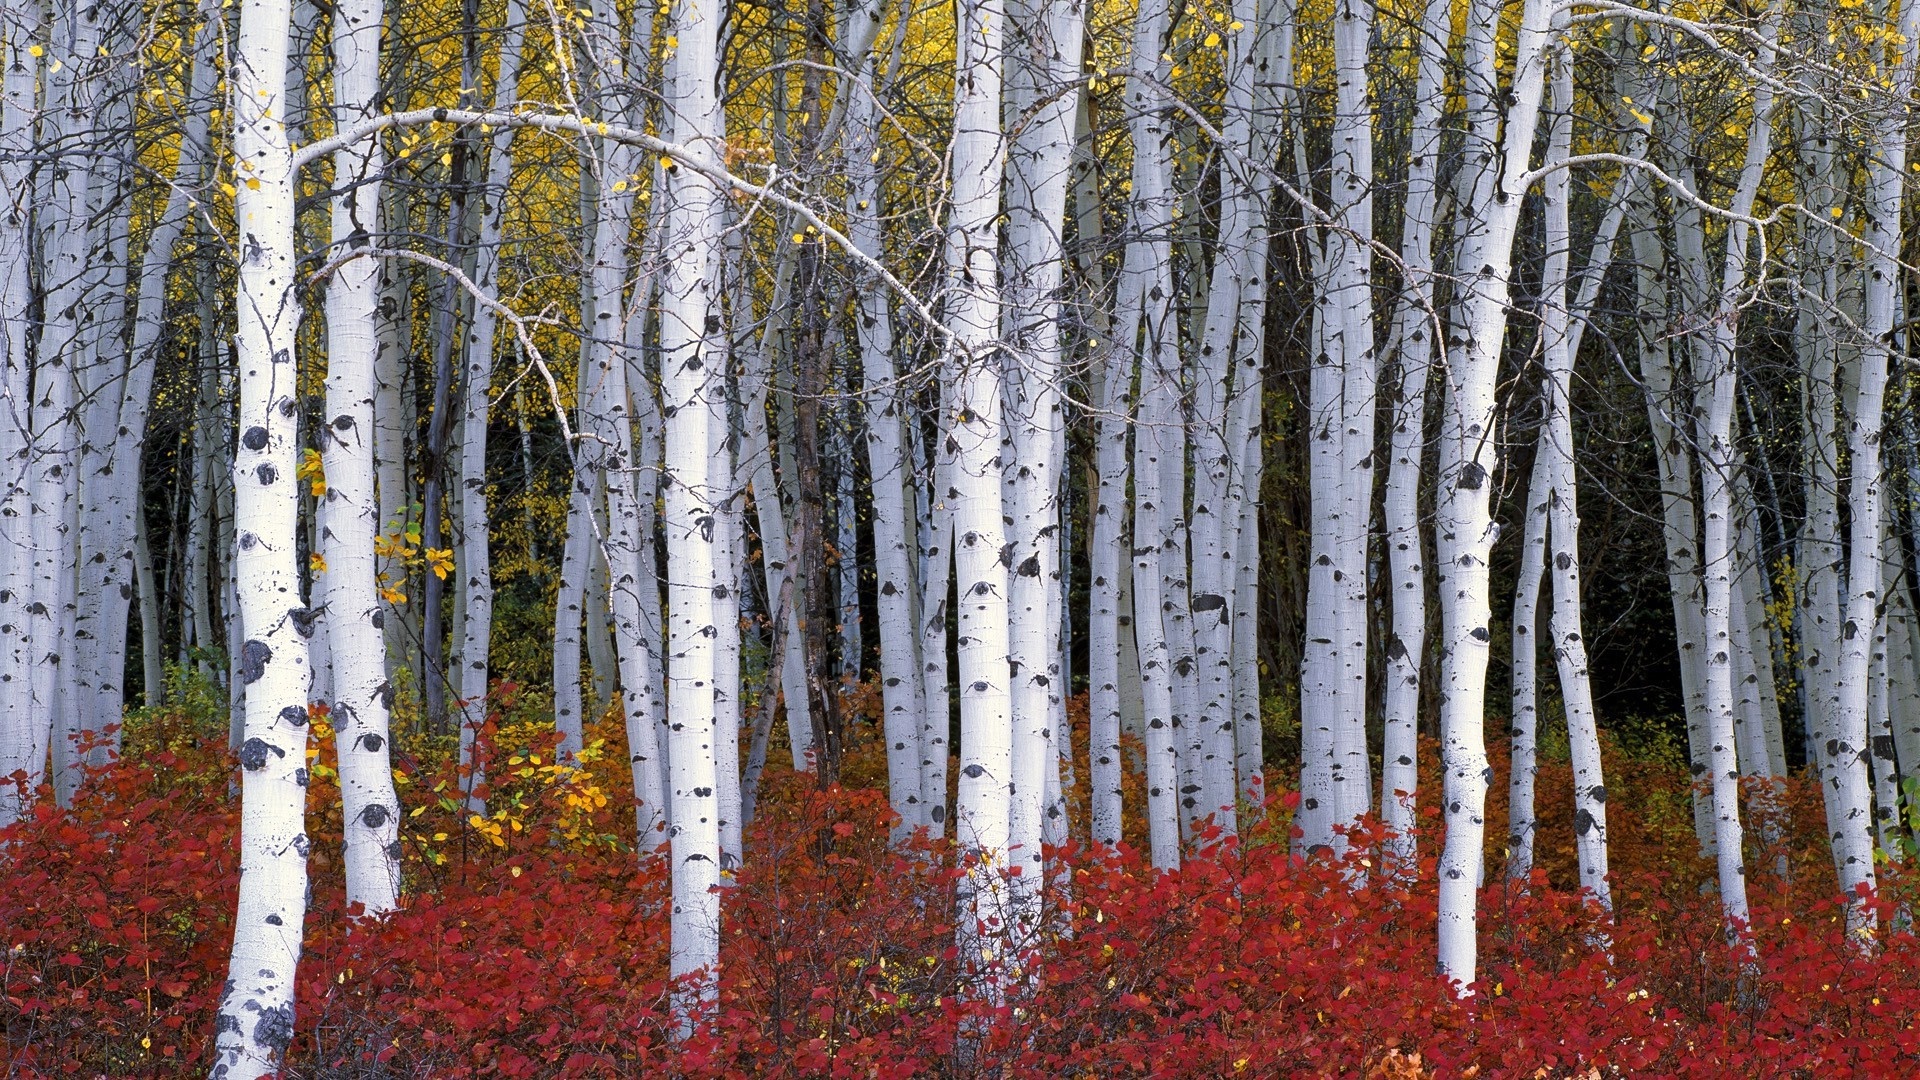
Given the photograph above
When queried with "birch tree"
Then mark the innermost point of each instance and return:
(1044, 62)
(1412, 344)
(23, 738)
(888, 466)
(1147, 335)
(476, 399)
(362, 695)
(972, 365)
(1714, 408)
(1493, 181)
(1848, 749)
(692, 351)
(256, 1006)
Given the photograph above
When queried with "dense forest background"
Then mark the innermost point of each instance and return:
(992, 537)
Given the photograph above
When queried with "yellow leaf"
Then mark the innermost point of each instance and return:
(35, 50)
(1213, 40)
(317, 563)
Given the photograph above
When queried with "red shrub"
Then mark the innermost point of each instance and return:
(538, 947)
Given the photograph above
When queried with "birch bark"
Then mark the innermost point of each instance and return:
(1560, 331)
(1526, 665)
(973, 365)
(1713, 406)
(23, 735)
(1848, 745)
(1489, 218)
(1412, 345)
(362, 696)
(1045, 63)
(1106, 601)
(692, 365)
(1349, 256)
(887, 465)
(476, 530)
(53, 461)
(1145, 330)
(256, 1007)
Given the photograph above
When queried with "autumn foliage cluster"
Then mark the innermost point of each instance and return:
(534, 944)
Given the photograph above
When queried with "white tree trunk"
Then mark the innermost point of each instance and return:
(101, 553)
(1412, 344)
(1145, 329)
(1489, 215)
(936, 696)
(1108, 605)
(1713, 408)
(846, 548)
(53, 461)
(1273, 52)
(726, 638)
(1560, 330)
(1526, 664)
(609, 449)
(1349, 255)
(476, 531)
(770, 516)
(888, 468)
(1045, 63)
(692, 369)
(1903, 676)
(1756, 594)
(153, 672)
(256, 1007)
(1107, 602)
(1819, 558)
(1220, 418)
(23, 735)
(362, 696)
(391, 424)
(1848, 745)
(973, 367)
(568, 706)
(1886, 773)
(642, 379)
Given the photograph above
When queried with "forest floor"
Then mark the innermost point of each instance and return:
(534, 944)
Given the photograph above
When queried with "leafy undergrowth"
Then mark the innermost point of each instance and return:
(534, 944)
